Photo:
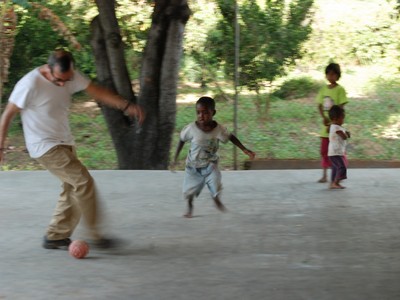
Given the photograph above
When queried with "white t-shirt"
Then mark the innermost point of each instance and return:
(45, 110)
(337, 145)
(203, 145)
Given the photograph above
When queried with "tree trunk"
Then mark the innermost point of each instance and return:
(8, 27)
(158, 80)
(118, 124)
(148, 148)
(112, 73)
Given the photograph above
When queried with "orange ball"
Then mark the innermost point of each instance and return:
(78, 249)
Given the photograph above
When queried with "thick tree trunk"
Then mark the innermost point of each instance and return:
(148, 148)
(159, 76)
(119, 125)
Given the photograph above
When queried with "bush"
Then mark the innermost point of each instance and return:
(298, 87)
(383, 88)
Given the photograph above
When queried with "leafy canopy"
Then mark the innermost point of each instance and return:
(271, 36)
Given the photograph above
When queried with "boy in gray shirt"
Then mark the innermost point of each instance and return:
(202, 160)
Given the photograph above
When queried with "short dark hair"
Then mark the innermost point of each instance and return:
(335, 68)
(336, 112)
(61, 58)
(207, 102)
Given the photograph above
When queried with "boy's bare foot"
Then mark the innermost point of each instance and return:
(189, 207)
(220, 206)
(188, 215)
(336, 186)
(322, 180)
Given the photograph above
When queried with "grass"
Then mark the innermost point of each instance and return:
(289, 131)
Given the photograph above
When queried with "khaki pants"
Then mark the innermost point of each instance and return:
(78, 197)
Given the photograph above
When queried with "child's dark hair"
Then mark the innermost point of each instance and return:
(335, 68)
(336, 112)
(207, 102)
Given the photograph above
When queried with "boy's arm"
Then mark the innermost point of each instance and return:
(178, 150)
(343, 100)
(238, 144)
(342, 134)
(326, 120)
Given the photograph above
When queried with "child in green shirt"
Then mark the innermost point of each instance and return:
(329, 95)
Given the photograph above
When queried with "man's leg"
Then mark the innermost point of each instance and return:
(78, 197)
(66, 216)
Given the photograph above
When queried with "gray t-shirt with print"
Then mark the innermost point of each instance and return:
(203, 145)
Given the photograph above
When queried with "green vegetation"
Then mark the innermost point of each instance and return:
(271, 38)
(289, 132)
(360, 35)
(95, 147)
(297, 87)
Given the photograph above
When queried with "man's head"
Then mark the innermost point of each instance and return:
(61, 65)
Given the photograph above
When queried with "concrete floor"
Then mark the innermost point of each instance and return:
(285, 237)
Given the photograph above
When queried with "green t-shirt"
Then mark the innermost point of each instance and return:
(327, 98)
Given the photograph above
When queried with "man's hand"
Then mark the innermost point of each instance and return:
(2, 157)
(172, 167)
(8, 115)
(111, 99)
(134, 110)
(249, 153)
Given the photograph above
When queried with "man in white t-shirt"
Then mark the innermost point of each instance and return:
(43, 98)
